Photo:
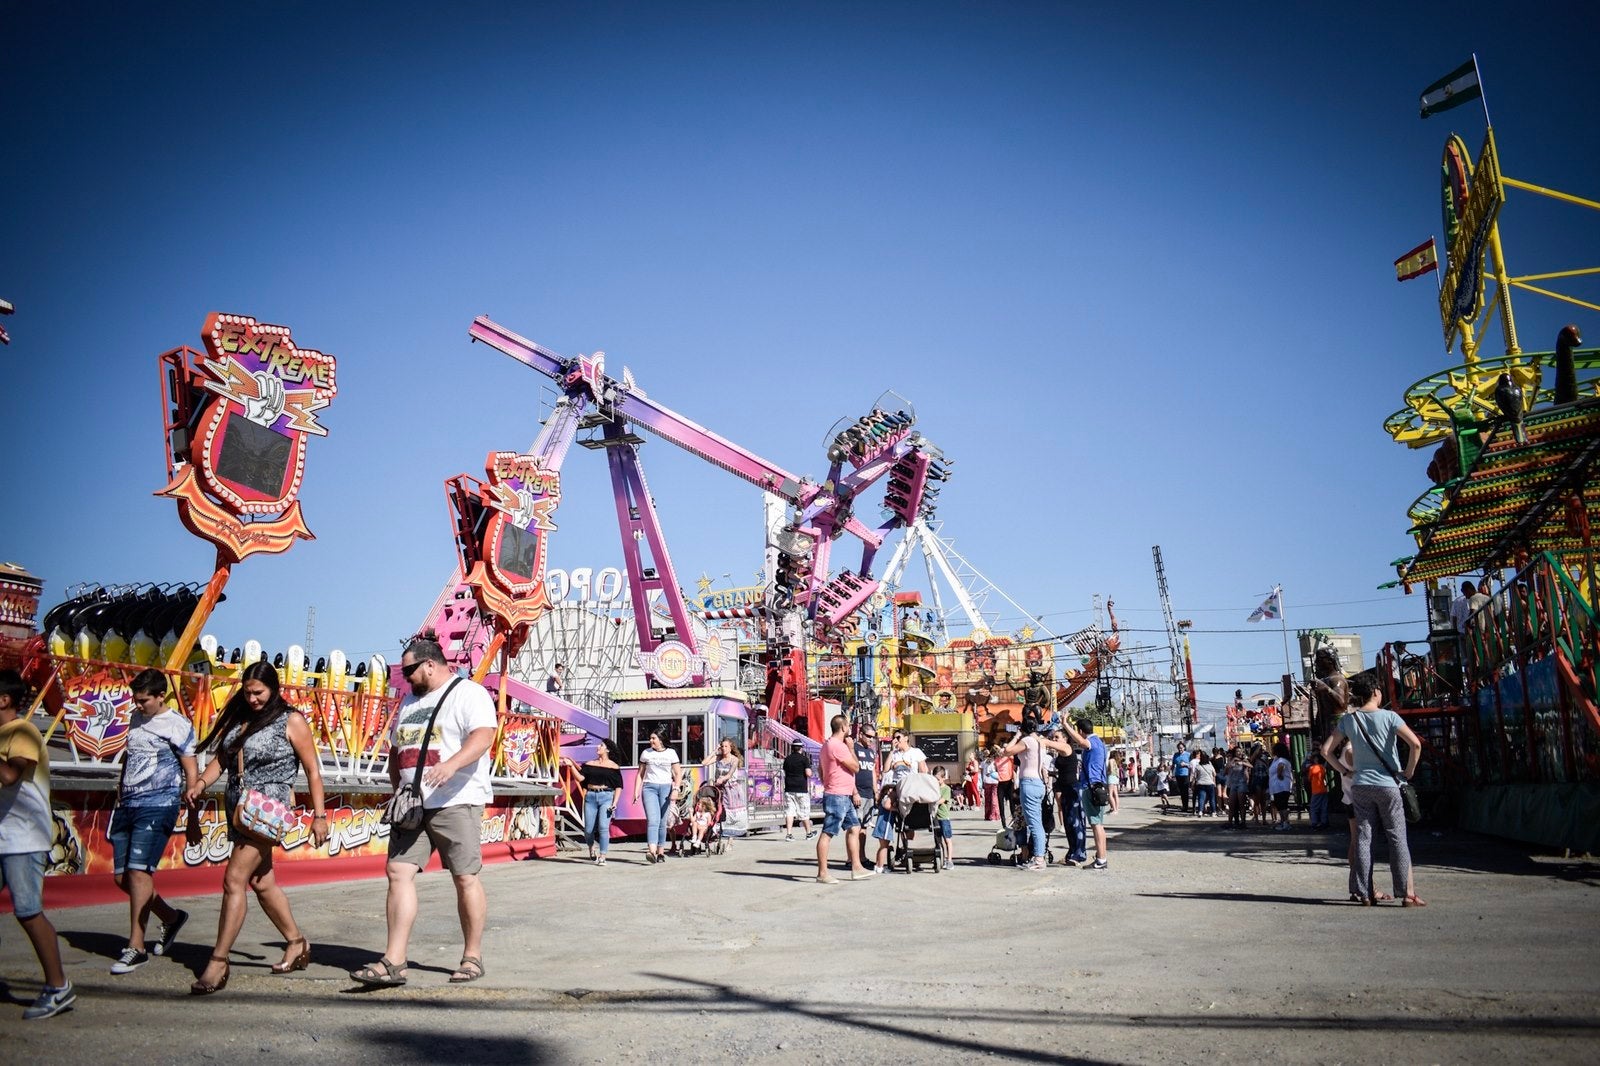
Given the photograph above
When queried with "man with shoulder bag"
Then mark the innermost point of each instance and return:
(439, 767)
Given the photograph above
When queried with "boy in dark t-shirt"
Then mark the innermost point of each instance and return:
(797, 791)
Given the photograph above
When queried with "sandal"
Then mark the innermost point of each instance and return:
(203, 988)
(382, 973)
(470, 970)
(1413, 901)
(299, 962)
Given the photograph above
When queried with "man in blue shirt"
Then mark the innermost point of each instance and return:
(1096, 787)
(1180, 776)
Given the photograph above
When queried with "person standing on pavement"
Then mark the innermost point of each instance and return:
(1096, 789)
(455, 718)
(991, 786)
(1317, 788)
(1005, 768)
(262, 744)
(1069, 801)
(660, 775)
(866, 753)
(839, 768)
(1375, 735)
(1280, 784)
(797, 791)
(27, 832)
(602, 788)
(1204, 776)
(1180, 776)
(157, 768)
(1029, 750)
(906, 758)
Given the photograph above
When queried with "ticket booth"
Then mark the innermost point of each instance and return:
(946, 738)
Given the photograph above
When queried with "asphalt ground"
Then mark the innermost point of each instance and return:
(1200, 944)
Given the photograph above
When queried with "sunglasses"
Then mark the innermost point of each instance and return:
(407, 671)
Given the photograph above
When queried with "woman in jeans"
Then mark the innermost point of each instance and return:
(1029, 750)
(1205, 785)
(660, 773)
(602, 786)
(1375, 735)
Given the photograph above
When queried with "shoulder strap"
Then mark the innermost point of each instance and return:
(427, 735)
(1387, 765)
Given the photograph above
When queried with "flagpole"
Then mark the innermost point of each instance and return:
(1438, 267)
(1483, 97)
(1284, 622)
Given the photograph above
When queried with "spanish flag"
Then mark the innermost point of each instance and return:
(1417, 262)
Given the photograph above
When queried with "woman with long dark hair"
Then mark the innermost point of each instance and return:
(260, 741)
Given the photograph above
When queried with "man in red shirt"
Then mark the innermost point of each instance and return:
(839, 766)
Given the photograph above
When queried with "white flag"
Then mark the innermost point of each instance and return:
(1271, 607)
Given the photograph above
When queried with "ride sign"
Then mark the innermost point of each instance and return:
(519, 499)
(252, 402)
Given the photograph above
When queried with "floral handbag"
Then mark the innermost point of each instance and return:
(258, 814)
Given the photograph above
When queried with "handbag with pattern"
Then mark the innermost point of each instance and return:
(258, 814)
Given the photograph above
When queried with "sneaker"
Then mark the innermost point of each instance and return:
(1035, 864)
(811, 835)
(601, 861)
(1071, 862)
(169, 933)
(130, 960)
(51, 1002)
(788, 836)
(1098, 864)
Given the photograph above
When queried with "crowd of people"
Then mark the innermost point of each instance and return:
(441, 737)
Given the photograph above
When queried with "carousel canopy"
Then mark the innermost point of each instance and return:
(1515, 497)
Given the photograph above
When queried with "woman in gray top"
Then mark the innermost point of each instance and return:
(1375, 735)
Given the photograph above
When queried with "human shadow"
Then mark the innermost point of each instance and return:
(1246, 897)
(429, 1045)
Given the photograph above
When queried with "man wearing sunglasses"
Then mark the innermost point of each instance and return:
(455, 788)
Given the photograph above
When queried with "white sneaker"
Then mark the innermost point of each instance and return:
(788, 836)
(130, 960)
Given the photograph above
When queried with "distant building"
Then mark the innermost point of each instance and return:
(1348, 645)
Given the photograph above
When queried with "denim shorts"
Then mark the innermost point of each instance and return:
(838, 814)
(23, 874)
(884, 830)
(139, 837)
(944, 828)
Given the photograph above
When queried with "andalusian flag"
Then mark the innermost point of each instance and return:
(1417, 262)
(1271, 607)
(1452, 90)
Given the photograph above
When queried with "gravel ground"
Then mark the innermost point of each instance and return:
(1200, 944)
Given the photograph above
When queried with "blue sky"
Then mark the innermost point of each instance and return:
(1133, 269)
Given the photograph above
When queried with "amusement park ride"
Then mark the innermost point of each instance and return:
(1509, 706)
(502, 528)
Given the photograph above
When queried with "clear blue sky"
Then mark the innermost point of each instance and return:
(1132, 268)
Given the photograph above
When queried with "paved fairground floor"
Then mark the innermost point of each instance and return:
(1198, 944)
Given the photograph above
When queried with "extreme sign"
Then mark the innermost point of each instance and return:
(519, 499)
(245, 411)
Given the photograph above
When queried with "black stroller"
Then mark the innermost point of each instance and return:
(915, 816)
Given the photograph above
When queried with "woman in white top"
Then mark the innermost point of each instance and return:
(660, 773)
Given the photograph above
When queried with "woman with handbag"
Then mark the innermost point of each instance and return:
(1377, 788)
(261, 742)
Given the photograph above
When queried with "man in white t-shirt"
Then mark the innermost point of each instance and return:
(455, 788)
(1280, 785)
(904, 758)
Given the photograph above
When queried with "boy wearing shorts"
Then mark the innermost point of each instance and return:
(941, 815)
(156, 771)
(27, 831)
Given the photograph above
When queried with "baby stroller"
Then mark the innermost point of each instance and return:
(1014, 845)
(915, 841)
(705, 805)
